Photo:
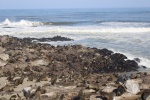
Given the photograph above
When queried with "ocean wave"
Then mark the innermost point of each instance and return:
(77, 29)
(20, 23)
(124, 24)
(96, 29)
(59, 23)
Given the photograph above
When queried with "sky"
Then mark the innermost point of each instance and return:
(56, 4)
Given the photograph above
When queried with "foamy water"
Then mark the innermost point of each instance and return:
(129, 36)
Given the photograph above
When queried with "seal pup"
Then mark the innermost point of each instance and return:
(80, 96)
(61, 97)
(94, 86)
(53, 79)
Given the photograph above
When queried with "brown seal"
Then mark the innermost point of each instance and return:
(38, 94)
(109, 96)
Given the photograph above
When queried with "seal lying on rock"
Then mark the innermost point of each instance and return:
(80, 96)
(109, 96)
(18, 81)
(38, 94)
(120, 90)
(15, 97)
(146, 94)
(7, 88)
(54, 79)
(94, 86)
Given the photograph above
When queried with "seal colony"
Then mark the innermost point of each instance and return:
(35, 71)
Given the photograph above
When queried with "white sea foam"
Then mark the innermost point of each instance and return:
(126, 24)
(20, 23)
(105, 27)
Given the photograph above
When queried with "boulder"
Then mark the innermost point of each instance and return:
(104, 52)
(2, 63)
(132, 86)
(39, 62)
(118, 57)
(4, 57)
(26, 92)
(4, 39)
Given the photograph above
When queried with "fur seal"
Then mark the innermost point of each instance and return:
(109, 96)
(120, 90)
(38, 94)
(15, 97)
(53, 79)
(145, 94)
(81, 95)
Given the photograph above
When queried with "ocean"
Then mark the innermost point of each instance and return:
(123, 30)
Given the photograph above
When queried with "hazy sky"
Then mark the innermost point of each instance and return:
(41, 4)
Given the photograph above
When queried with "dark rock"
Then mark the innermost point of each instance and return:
(104, 52)
(118, 57)
(55, 38)
(131, 65)
(27, 56)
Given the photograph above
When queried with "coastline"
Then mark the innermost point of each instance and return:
(71, 65)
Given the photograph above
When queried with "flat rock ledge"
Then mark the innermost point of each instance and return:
(32, 70)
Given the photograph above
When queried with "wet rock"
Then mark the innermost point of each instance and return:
(76, 57)
(131, 65)
(118, 57)
(104, 52)
(137, 60)
(55, 38)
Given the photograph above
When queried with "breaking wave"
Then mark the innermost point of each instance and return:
(20, 23)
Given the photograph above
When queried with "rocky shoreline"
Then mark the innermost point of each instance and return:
(36, 71)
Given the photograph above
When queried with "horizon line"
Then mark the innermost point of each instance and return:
(70, 8)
